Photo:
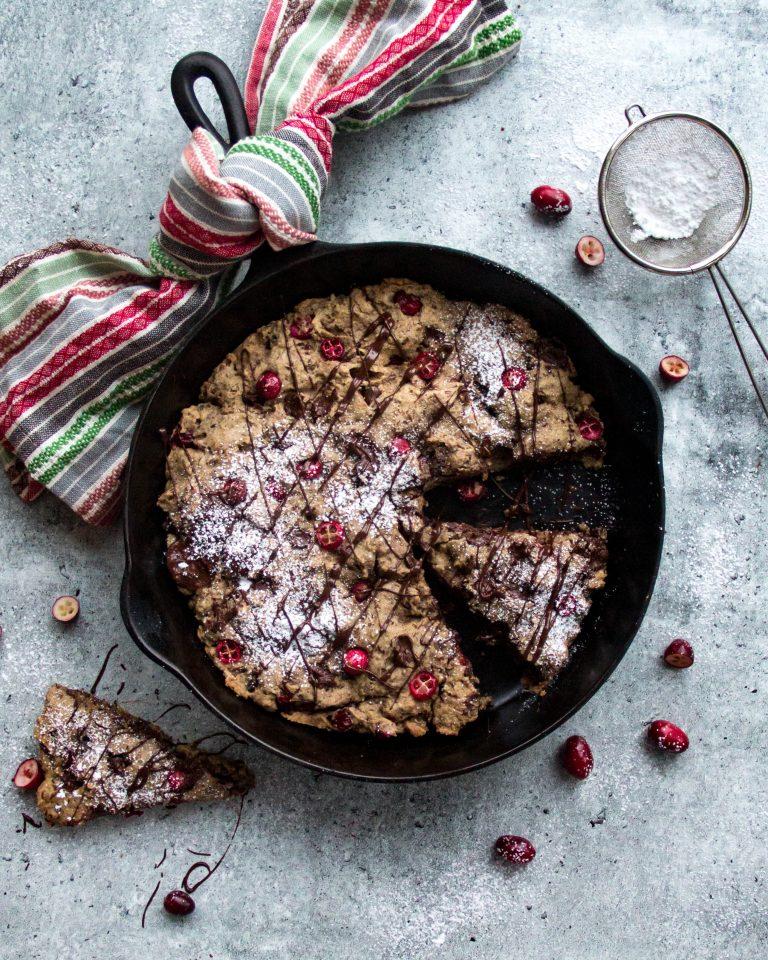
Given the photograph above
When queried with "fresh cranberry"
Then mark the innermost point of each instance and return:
(268, 386)
(515, 849)
(426, 365)
(590, 251)
(178, 780)
(361, 590)
(329, 535)
(668, 736)
(400, 447)
(673, 369)
(179, 903)
(302, 327)
(408, 303)
(423, 685)
(333, 349)
(65, 609)
(355, 661)
(577, 757)
(342, 719)
(29, 775)
(276, 490)
(229, 651)
(471, 491)
(590, 427)
(234, 491)
(310, 469)
(566, 606)
(514, 378)
(551, 200)
(679, 654)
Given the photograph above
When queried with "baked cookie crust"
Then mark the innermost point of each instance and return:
(295, 496)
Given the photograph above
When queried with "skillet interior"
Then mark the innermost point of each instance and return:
(157, 615)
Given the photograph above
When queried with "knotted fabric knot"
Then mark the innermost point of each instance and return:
(221, 206)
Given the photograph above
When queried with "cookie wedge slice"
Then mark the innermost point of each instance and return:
(534, 589)
(99, 759)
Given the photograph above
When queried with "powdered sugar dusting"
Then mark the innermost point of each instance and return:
(281, 503)
(267, 547)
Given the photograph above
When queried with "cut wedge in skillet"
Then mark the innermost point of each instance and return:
(533, 589)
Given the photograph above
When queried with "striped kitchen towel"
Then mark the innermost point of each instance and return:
(86, 329)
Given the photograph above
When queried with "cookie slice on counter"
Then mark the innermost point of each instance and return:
(96, 759)
(534, 589)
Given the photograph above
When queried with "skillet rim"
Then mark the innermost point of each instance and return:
(266, 267)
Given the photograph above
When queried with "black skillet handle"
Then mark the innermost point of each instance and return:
(186, 73)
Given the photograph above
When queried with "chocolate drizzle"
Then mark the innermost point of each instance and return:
(522, 583)
(99, 759)
(342, 413)
(187, 883)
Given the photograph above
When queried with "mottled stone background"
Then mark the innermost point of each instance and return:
(653, 856)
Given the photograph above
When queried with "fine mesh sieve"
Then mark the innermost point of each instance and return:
(642, 157)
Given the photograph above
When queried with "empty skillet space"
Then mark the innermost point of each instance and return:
(157, 614)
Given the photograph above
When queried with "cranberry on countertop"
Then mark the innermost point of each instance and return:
(577, 757)
(679, 654)
(179, 903)
(673, 369)
(29, 774)
(551, 200)
(65, 609)
(590, 251)
(514, 849)
(668, 736)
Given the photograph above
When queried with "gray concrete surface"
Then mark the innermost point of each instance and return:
(652, 856)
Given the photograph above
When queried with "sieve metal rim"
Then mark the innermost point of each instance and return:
(633, 127)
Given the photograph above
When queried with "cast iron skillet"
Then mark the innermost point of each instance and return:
(627, 496)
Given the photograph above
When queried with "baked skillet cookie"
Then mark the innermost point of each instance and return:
(295, 503)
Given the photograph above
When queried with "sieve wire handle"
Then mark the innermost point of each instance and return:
(628, 114)
(716, 271)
